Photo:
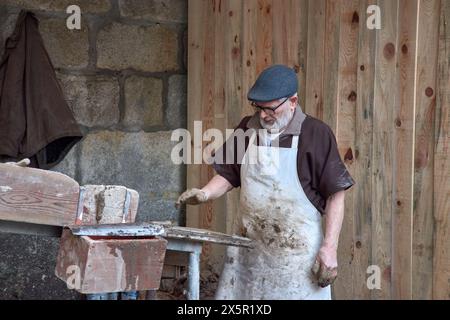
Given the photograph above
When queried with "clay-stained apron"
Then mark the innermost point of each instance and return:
(285, 226)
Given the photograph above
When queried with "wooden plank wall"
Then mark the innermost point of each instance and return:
(385, 93)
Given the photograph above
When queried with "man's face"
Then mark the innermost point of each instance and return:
(279, 119)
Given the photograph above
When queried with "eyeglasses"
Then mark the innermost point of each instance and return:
(269, 110)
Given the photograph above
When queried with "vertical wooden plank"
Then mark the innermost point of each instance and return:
(207, 105)
(362, 168)
(441, 264)
(217, 220)
(402, 218)
(331, 60)
(280, 51)
(201, 14)
(314, 76)
(249, 39)
(264, 35)
(232, 29)
(427, 49)
(233, 89)
(340, 109)
(383, 147)
(290, 23)
(257, 43)
(196, 20)
(302, 53)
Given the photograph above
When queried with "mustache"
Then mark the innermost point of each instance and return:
(277, 123)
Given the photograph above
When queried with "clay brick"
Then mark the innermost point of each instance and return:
(107, 264)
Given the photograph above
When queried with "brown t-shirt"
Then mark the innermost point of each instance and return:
(319, 166)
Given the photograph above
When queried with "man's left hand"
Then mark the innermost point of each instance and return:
(325, 266)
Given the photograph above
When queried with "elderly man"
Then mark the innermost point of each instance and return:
(283, 196)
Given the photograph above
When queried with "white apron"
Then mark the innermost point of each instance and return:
(286, 229)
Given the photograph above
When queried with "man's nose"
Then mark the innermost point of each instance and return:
(262, 114)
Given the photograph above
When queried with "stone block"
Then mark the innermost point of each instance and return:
(159, 10)
(66, 48)
(176, 112)
(86, 6)
(141, 161)
(94, 100)
(143, 102)
(144, 48)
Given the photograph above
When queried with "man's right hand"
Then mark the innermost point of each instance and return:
(192, 196)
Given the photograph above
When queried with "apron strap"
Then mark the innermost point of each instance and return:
(294, 144)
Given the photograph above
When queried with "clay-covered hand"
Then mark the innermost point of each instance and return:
(192, 196)
(22, 163)
(325, 267)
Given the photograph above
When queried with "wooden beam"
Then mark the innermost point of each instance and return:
(340, 114)
(441, 201)
(423, 224)
(37, 196)
(385, 94)
(316, 43)
(335, 58)
(402, 218)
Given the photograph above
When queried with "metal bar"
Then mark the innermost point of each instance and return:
(185, 246)
(154, 229)
(118, 230)
(194, 276)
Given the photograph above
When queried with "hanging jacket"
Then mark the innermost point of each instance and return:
(35, 120)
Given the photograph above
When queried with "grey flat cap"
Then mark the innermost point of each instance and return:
(275, 82)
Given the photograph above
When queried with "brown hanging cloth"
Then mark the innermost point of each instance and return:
(35, 120)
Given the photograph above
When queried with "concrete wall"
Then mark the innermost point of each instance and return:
(124, 76)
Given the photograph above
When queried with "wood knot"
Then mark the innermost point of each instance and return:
(348, 155)
(399, 203)
(352, 96)
(230, 13)
(235, 52)
(405, 49)
(389, 51)
(429, 92)
(358, 244)
(355, 18)
(297, 68)
(387, 274)
(362, 68)
(398, 122)
(248, 63)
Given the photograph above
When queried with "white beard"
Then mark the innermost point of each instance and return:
(279, 123)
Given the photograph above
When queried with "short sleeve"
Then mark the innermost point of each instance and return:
(332, 173)
(230, 170)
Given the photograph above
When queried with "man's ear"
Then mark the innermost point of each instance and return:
(293, 100)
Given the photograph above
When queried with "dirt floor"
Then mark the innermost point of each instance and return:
(176, 289)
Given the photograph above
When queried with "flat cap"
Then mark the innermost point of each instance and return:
(276, 82)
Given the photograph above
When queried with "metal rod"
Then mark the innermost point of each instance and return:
(194, 276)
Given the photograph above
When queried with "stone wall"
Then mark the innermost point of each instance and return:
(124, 76)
